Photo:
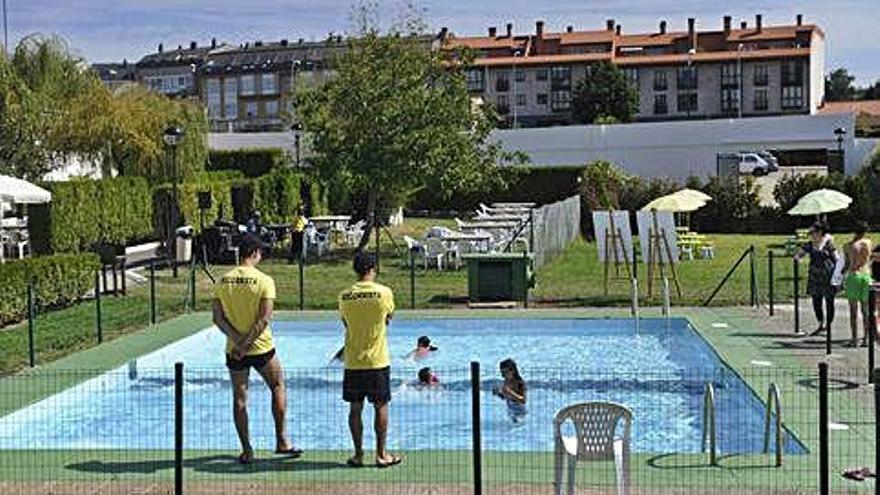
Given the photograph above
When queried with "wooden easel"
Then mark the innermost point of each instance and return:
(614, 246)
(658, 253)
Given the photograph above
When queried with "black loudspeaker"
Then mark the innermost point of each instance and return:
(205, 200)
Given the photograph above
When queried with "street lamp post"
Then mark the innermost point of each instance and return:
(516, 53)
(840, 132)
(297, 129)
(172, 136)
(739, 57)
(690, 63)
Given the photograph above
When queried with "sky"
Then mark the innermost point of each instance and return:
(111, 30)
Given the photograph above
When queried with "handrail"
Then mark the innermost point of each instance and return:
(667, 304)
(634, 292)
(709, 422)
(773, 400)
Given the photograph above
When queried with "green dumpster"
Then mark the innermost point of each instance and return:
(499, 277)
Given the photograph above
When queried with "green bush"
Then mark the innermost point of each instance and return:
(59, 280)
(251, 162)
(85, 212)
(276, 195)
(219, 185)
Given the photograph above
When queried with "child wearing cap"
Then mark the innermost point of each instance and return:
(423, 349)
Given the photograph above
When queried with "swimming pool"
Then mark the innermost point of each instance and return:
(658, 369)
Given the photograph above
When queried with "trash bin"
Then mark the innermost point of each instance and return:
(499, 277)
(183, 240)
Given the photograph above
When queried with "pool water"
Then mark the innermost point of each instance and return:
(657, 368)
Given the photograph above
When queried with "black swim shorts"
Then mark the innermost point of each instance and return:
(374, 385)
(257, 361)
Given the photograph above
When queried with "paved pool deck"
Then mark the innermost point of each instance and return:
(761, 349)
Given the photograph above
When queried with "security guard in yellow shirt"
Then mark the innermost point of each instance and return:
(243, 301)
(366, 308)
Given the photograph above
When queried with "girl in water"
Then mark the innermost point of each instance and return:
(512, 391)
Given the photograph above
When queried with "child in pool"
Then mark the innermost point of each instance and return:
(423, 348)
(427, 378)
(512, 391)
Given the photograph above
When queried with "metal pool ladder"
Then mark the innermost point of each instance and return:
(709, 430)
(773, 402)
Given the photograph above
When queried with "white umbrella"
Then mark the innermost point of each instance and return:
(18, 191)
(821, 201)
(693, 193)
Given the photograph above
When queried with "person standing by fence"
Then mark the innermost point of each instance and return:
(824, 274)
(297, 232)
(366, 308)
(858, 282)
(243, 302)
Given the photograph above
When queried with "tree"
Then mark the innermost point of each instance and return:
(604, 94)
(839, 86)
(52, 106)
(395, 119)
(871, 92)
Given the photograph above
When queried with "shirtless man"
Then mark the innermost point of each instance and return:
(858, 282)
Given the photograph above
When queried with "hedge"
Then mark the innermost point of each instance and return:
(86, 212)
(254, 162)
(188, 201)
(59, 280)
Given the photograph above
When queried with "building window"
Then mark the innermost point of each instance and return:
(660, 80)
(502, 104)
(181, 82)
(230, 98)
(542, 99)
(687, 102)
(475, 80)
(560, 77)
(269, 84)
(251, 110)
(560, 101)
(632, 75)
(686, 77)
(520, 100)
(761, 101)
(272, 108)
(520, 75)
(730, 100)
(792, 73)
(213, 100)
(792, 97)
(502, 82)
(660, 106)
(762, 75)
(541, 75)
(248, 85)
(730, 75)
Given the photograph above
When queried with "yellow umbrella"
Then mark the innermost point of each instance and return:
(821, 201)
(693, 193)
(674, 203)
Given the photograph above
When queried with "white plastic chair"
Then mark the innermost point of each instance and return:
(434, 251)
(317, 240)
(415, 247)
(596, 439)
(353, 233)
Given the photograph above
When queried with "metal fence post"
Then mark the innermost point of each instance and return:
(98, 323)
(877, 427)
(770, 276)
(476, 425)
(178, 428)
(152, 293)
(753, 278)
(823, 430)
(797, 301)
(871, 330)
(192, 283)
(32, 316)
(302, 276)
(412, 279)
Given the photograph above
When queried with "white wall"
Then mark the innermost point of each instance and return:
(676, 149)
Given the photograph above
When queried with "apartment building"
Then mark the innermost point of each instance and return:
(249, 88)
(173, 72)
(747, 71)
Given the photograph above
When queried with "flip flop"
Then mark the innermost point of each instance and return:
(352, 463)
(244, 458)
(857, 474)
(291, 451)
(817, 331)
(395, 460)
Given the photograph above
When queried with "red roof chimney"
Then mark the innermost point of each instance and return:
(743, 25)
(758, 22)
(662, 27)
(213, 42)
(727, 21)
(617, 29)
(692, 32)
(493, 32)
(510, 30)
(800, 19)
(569, 29)
(160, 47)
(539, 29)
(193, 45)
(609, 24)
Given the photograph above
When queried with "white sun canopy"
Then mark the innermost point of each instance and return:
(18, 191)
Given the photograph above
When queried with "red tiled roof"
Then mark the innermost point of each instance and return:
(486, 42)
(653, 39)
(542, 59)
(870, 107)
(768, 33)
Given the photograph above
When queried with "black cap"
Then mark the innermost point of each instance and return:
(248, 244)
(364, 261)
